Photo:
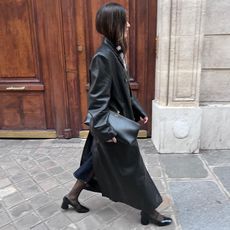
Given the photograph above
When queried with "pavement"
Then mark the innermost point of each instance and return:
(36, 174)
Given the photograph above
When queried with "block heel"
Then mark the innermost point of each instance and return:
(65, 203)
(144, 219)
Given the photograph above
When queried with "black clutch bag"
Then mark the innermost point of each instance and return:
(126, 129)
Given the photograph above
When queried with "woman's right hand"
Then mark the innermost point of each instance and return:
(114, 140)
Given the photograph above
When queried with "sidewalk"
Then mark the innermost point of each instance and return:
(36, 174)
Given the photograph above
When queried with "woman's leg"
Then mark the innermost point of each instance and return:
(76, 190)
(84, 173)
(72, 198)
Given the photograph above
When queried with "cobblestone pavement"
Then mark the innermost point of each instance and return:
(36, 174)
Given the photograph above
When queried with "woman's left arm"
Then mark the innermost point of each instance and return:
(139, 113)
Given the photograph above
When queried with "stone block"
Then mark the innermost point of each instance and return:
(41, 176)
(183, 87)
(163, 53)
(8, 227)
(43, 159)
(217, 157)
(57, 193)
(200, 205)
(13, 199)
(164, 13)
(2, 173)
(64, 177)
(29, 192)
(7, 163)
(48, 183)
(48, 164)
(40, 226)
(16, 170)
(185, 59)
(183, 166)
(85, 195)
(176, 129)
(7, 191)
(19, 177)
(151, 159)
(215, 132)
(35, 170)
(25, 184)
(5, 219)
(107, 214)
(185, 16)
(154, 171)
(20, 210)
(216, 52)
(59, 221)
(128, 221)
(88, 223)
(223, 175)
(160, 184)
(4, 182)
(55, 170)
(184, 71)
(39, 200)
(161, 91)
(214, 86)
(27, 221)
(75, 217)
(49, 210)
(120, 207)
(217, 17)
(97, 202)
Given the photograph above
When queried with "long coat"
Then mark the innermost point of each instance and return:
(120, 173)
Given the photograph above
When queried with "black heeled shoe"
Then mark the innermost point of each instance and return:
(163, 221)
(76, 205)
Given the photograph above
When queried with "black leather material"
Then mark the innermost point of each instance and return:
(120, 173)
(126, 129)
(137, 110)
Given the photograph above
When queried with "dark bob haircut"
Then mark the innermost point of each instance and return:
(111, 22)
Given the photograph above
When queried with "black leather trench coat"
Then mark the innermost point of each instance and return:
(120, 173)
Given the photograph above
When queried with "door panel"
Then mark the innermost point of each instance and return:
(33, 90)
(19, 111)
(21, 89)
(17, 37)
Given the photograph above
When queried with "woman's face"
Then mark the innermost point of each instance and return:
(127, 29)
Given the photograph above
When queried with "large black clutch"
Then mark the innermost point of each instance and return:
(127, 130)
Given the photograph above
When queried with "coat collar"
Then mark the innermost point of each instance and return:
(114, 50)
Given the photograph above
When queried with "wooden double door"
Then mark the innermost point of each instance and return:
(45, 51)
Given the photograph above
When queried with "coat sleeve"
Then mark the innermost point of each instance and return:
(137, 109)
(99, 97)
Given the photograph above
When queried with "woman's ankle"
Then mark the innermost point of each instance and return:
(71, 197)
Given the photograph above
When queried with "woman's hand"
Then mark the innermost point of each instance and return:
(114, 140)
(144, 119)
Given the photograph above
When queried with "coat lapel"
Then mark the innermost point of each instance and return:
(116, 54)
(114, 50)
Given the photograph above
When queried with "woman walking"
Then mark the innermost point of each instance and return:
(109, 165)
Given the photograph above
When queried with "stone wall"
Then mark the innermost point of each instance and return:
(191, 110)
(176, 117)
(215, 76)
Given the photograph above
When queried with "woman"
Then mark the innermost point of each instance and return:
(108, 165)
